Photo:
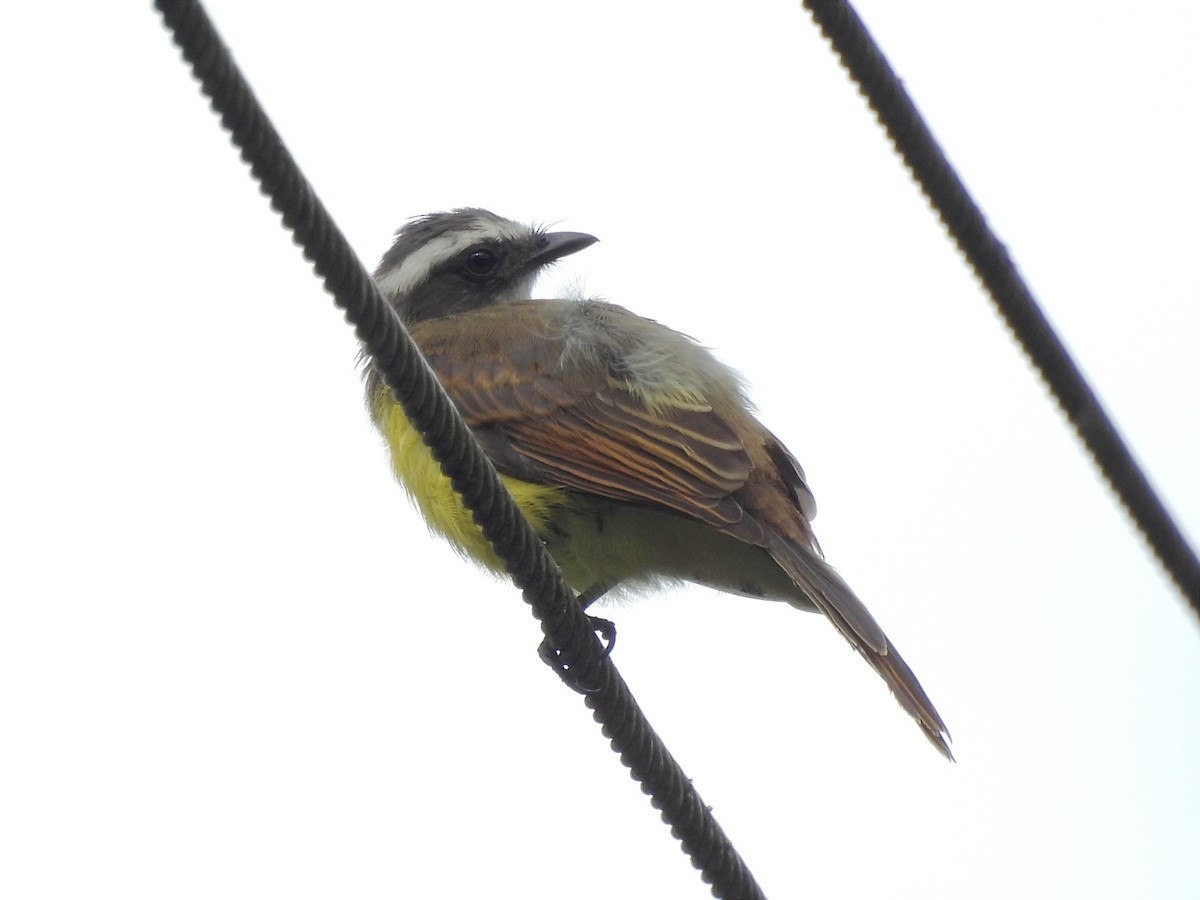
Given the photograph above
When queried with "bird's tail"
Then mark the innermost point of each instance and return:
(825, 589)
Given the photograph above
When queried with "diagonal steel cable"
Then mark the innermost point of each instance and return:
(413, 384)
(863, 59)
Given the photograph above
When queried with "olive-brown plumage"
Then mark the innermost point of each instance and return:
(664, 471)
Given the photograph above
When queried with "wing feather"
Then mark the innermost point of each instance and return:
(582, 424)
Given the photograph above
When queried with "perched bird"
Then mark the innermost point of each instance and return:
(630, 449)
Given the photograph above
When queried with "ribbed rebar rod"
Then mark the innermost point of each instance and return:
(969, 229)
(413, 384)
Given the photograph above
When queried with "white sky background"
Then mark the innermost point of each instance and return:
(233, 662)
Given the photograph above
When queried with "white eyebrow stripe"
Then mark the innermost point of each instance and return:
(417, 265)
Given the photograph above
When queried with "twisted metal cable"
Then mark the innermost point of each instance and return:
(414, 386)
(862, 58)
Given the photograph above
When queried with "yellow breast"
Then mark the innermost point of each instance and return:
(422, 478)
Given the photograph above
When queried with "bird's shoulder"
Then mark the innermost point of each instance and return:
(569, 349)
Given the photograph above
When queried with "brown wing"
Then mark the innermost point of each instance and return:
(583, 426)
(543, 416)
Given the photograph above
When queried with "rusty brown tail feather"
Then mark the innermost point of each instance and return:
(834, 598)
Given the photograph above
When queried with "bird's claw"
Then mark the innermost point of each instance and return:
(552, 657)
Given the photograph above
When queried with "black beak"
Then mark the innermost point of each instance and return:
(556, 245)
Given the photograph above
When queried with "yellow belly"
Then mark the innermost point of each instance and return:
(437, 500)
(594, 541)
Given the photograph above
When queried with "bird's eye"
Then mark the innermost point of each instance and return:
(481, 263)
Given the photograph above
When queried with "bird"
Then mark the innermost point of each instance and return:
(633, 451)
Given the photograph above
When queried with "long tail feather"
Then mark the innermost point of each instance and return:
(825, 589)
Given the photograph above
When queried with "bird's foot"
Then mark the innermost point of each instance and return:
(603, 628)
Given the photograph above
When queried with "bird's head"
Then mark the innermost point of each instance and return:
(453, 262)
